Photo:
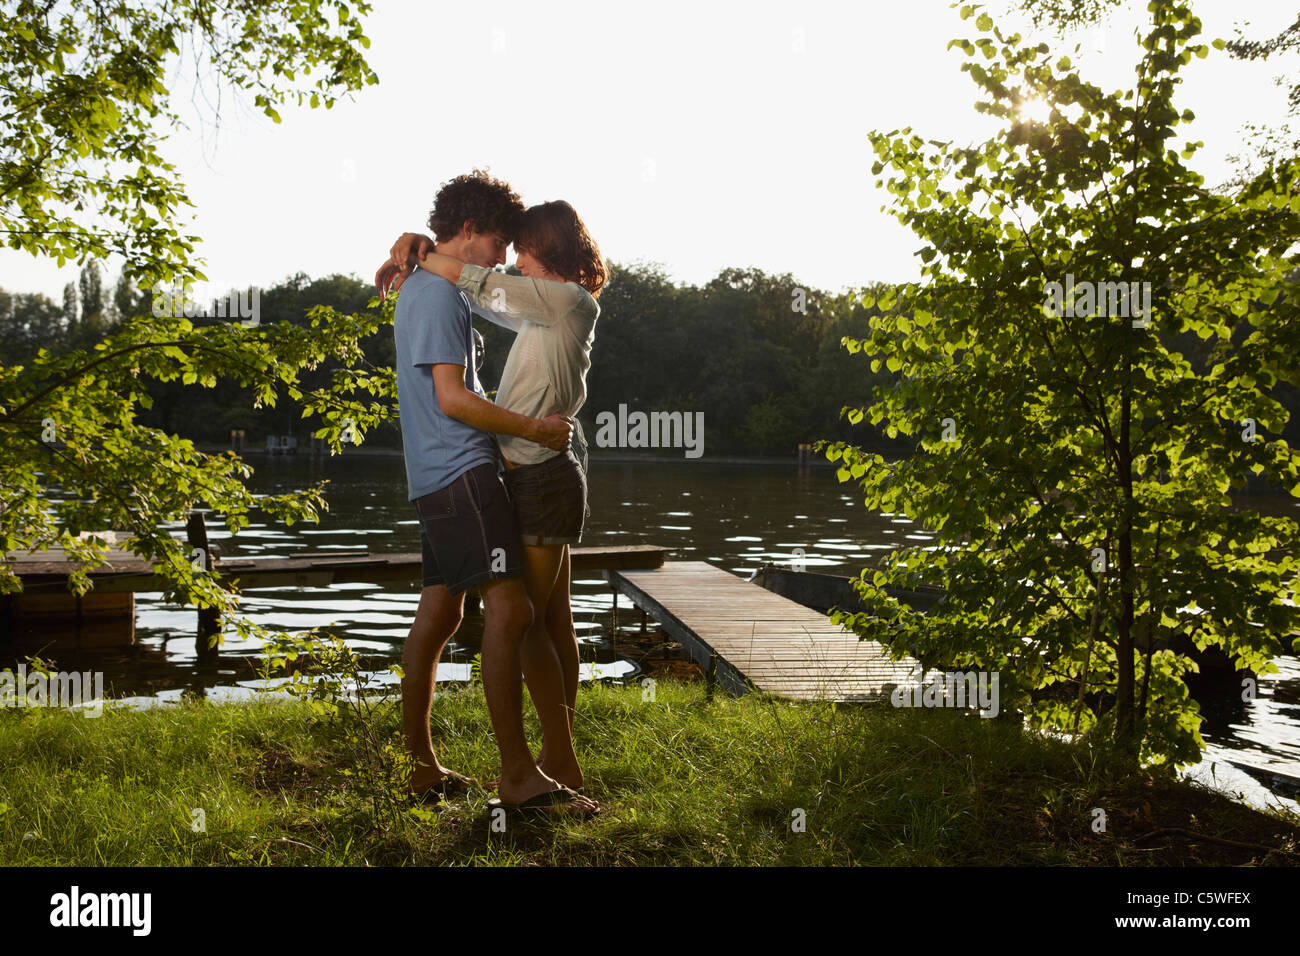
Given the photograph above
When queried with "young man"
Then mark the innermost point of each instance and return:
(468, 532)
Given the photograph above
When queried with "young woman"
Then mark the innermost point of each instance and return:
(552, 309)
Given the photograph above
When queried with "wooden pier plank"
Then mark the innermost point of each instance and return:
(47, 571)
(760, 640)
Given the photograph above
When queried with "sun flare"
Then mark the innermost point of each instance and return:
(1034, 110)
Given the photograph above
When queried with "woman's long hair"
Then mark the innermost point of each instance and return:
(553, 233)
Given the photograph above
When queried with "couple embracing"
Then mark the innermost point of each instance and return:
(499, 492)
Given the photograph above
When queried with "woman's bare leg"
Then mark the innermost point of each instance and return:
(543, 672)
(564, 638)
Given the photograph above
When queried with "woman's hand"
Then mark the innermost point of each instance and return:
(408, 249)
(401, 260)
(390, 275)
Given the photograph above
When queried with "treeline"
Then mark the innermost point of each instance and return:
(30, 321)
(760, 355)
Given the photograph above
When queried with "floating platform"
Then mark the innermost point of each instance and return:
(753, 639)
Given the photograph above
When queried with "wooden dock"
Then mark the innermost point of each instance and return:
(756, 640)
(47, 571)
(105, 616)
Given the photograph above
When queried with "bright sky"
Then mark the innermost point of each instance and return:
(697, 135)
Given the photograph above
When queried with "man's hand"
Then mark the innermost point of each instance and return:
(553, 431)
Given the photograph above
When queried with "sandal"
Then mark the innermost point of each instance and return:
(541, 803)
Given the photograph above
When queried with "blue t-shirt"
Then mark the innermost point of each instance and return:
(431, 326)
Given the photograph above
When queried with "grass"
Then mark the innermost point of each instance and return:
(682, 780)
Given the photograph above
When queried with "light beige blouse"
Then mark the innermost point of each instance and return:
(546, 372)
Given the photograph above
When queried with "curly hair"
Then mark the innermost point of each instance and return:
(554, 234)
(490, 204)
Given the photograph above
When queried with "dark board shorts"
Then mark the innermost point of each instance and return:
(550, 500)
(468, 533)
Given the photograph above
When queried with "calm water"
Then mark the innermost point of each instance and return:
(735, 516)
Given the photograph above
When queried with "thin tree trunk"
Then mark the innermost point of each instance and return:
(1092, 639)
(1124, 722)
(1146, 673)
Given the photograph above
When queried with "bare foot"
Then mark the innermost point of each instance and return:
(569, 774)
(573, 779)
(440, 779)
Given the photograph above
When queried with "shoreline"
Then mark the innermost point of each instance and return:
(816, 460)
(1253, 484)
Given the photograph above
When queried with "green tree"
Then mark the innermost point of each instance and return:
(85, 111)
(86, 115)
(70, 309)
(90, 286)
(27, 322)
(1065, 15)
(1074, 467)
(128, 300)
(1264, 143)
(847, 318)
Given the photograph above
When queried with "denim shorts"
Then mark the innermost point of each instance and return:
(550, 500)
(468, 532)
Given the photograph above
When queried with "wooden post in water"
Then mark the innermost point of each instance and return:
(8, 616)
(196, 531)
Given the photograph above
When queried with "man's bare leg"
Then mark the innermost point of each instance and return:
(508, 615)
(542, 668)
(436, 620)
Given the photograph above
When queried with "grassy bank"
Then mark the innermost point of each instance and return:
(683, 781)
